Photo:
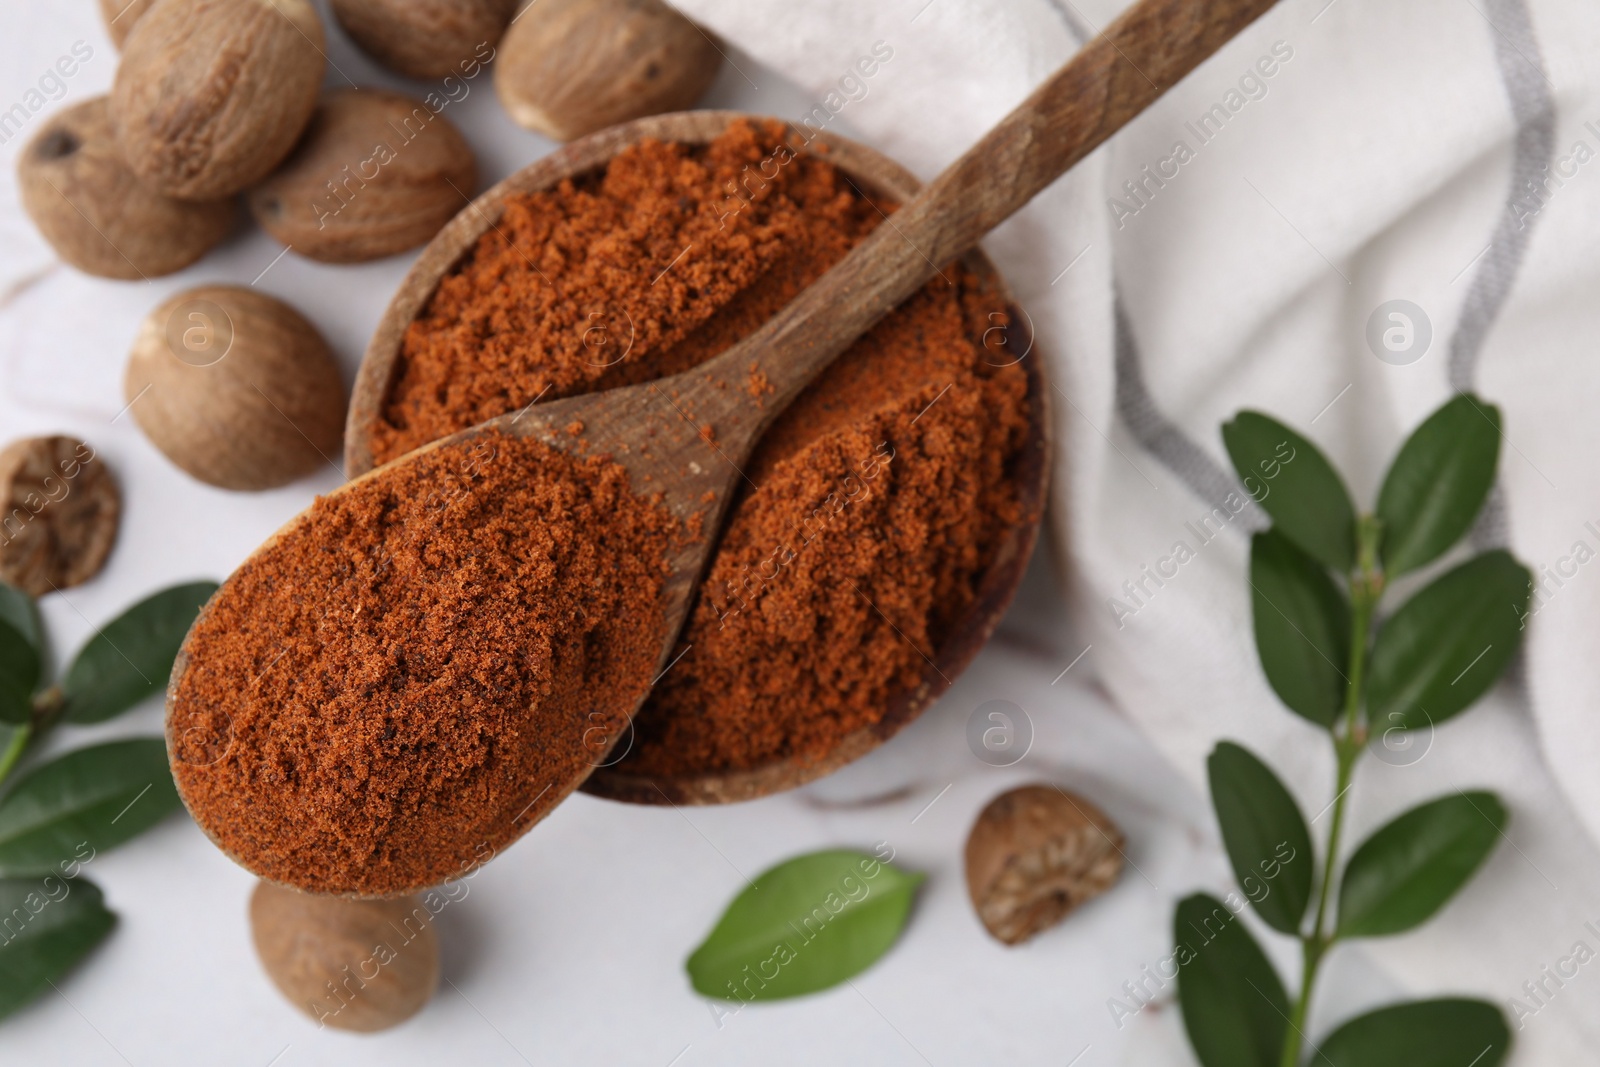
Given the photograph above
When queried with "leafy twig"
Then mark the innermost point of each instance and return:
(56, 816)
(1433, 657)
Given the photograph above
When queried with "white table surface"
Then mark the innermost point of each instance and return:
(569, 948)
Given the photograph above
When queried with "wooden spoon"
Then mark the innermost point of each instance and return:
(656, 430)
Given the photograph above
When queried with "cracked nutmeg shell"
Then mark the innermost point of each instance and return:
(61, 511)
(1034, 855)
(236, 388)
(570, 67)
(427, 38)
(360, 965)
(376, 173)
(211, 95)
(97, 215)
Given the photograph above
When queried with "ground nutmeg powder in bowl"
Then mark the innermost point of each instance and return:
(873, 507)
(415, 670)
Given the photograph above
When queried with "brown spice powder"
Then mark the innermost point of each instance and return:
(417, 671)
(641, 272)
(879, 497)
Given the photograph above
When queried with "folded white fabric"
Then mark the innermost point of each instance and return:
(1229, 250)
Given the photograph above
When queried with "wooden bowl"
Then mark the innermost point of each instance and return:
(877, 176)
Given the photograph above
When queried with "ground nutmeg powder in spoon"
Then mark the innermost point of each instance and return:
(420, 666)
(870, 511)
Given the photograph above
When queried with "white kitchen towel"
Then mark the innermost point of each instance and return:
(1229, 249)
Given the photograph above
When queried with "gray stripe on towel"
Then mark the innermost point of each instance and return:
(1527, 87)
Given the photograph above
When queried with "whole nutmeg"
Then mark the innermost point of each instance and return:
(376, 173)
(211, 95)
(120, 15)
(359, 965)
(1035, 854)
(236, 388)
(61, 510)
(570, 67)
(97, 215)
(426, 38)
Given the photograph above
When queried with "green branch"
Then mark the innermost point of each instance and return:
(1366, 587)
(19, 744)
(46, 707)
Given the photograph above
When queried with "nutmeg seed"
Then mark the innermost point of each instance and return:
(211, 95)
(426, 38)
(60, 513)
(120, 15)
(376, 173)
(236, 388)
(1034, 855)
(570, 67)
(97, 215)
(359, 965)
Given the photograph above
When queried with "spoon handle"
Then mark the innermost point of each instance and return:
(1109, 81)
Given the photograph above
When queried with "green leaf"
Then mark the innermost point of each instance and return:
(18, 611)
(1234, 1006)
(1302, 624)
(46, 926)
(806, 924)
(1438, 482)
(1406, 871)
(1296, 485)
(21, 661)
(19, 676)
(132, 656)
(85, 802)
(1426, 1033)
(1266, 836)
(1448, 644)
